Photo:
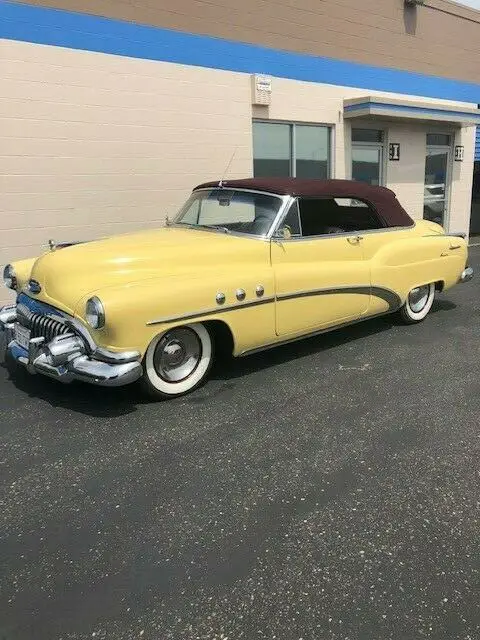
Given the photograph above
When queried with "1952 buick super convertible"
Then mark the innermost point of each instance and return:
(245, 265)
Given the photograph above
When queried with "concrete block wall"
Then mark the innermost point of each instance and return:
(93, 144)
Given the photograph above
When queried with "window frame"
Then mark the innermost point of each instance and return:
(285, 202)
(368, 128)
(293, 124)
(295, 199)
(382, 146)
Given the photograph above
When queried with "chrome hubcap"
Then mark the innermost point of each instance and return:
(418, 298)
(177, 355)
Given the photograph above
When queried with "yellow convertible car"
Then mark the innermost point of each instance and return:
(246, 265)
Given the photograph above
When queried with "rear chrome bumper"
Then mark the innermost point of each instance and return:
(467, 275)
(73, 356)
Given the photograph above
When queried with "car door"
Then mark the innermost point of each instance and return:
(321, 280)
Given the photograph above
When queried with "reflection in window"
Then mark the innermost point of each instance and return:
(311, 151)
(228, 210)
(366, 164)
(271, 149)
(435, 191)
(301, 151)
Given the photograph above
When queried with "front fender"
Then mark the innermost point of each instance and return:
(137, 312)
(23, 269)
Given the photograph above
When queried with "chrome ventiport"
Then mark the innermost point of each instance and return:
(240, 294)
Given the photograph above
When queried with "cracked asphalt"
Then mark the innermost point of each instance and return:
(322, 491)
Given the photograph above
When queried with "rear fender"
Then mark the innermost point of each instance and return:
(406, 264)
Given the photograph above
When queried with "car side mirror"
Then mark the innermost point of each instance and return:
(283, 233)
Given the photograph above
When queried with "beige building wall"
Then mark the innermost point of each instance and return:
(94, 144)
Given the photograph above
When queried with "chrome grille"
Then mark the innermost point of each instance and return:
(41, 325)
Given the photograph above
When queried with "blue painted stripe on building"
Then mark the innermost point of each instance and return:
(91, 33)
(412, 109)
(477, 145)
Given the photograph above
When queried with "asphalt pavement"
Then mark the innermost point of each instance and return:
(325, 490)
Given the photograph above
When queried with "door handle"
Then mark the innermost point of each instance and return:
(455, 246)
(354, 239)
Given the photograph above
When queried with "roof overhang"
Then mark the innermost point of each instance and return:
(392, 109)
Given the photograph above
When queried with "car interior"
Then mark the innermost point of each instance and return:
(323, 216)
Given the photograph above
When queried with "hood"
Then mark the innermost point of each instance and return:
(68, 275)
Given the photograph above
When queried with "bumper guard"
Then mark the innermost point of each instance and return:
(73, 356)
(467, 275)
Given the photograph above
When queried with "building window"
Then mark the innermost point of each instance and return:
(367, 135)
(438, 140)
(296, 150)
(367, 155)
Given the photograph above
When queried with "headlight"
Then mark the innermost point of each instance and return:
(9, 277)
(95, 313)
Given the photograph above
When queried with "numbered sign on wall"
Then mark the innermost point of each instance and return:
(394, 151)
(459, 153)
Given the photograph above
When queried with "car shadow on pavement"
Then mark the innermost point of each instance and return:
(237, 367)
(98, 402)
(104, 402)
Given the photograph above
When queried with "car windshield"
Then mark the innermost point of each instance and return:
(229, 210)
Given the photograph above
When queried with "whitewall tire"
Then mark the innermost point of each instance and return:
(418, 304)
(178, 361)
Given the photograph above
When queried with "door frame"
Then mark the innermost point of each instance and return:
(380, 146)
(448, 179)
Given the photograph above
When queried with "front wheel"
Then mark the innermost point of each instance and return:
(418, 303)
(177, 361)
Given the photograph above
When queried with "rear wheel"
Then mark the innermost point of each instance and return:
(418, 303)
(177, 361)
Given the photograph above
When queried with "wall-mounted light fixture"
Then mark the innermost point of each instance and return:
(414, 3)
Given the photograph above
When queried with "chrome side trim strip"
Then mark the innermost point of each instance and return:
(211, 311)
(344, 234)
(324, 291)
(390, 297)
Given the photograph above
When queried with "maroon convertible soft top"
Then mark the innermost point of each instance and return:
(382, 199)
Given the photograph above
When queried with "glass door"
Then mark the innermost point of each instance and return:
(435, 199)
(367, 163)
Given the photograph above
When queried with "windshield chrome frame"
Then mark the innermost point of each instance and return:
(284, 203)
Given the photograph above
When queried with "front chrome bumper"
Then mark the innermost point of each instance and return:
(73, 356)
